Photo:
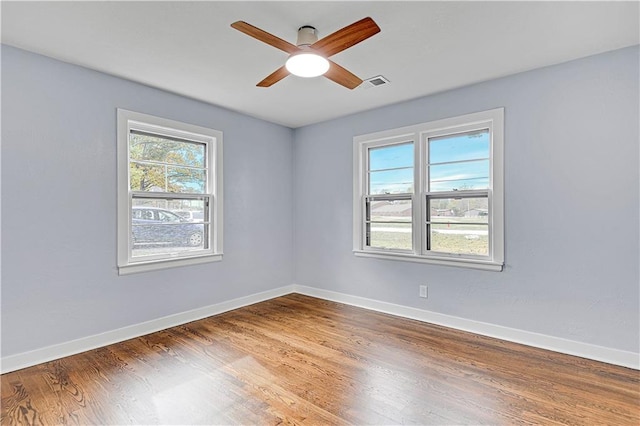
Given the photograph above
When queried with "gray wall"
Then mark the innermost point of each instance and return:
(59, 276)
(571, 196)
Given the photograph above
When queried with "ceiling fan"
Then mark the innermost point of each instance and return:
(310, 51)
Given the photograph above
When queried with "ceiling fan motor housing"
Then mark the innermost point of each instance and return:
(307, 35)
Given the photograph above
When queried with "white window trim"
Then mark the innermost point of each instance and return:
(494, 120)
(128, 120)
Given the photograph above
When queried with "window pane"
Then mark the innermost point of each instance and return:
(163, 178)
(389, 211)
(463, 146)
(459, 225)
(146, 147)
(459, 176)
(185, 180)
(459, 210)
(159, 227)
(459, 238)
(391, 157)
(389, 235)
(391, 181)
(145, 177)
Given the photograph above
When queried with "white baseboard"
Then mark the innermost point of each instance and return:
(556, 344)
(570, 347)
(49, 353)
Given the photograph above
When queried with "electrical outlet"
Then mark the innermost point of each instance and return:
(424, 292)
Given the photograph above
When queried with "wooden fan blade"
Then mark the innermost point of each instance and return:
(342, 76)
(346, 37)
(264, 36)
(274, 77)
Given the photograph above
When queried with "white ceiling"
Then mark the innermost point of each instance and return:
(423, 48)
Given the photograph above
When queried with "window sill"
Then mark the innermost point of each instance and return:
(134, 268)
(484, 265)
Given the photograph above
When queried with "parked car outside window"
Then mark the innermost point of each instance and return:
(191, 216)
(156, 226)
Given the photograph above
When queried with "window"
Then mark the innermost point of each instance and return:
(432, 192)
(169, 193)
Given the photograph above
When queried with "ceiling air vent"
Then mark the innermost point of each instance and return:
(374, 82)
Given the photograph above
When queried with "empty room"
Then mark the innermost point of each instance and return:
(321, 213)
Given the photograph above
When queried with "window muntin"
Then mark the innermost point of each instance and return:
(450, 186)
(169, 193)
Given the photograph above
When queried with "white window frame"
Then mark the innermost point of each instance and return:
(419, 134)
(134, 121)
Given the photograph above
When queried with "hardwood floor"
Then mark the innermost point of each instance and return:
(301, 360)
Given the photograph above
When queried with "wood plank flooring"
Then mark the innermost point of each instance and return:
(301, 360)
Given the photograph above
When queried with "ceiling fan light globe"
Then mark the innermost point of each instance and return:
(307, 64)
